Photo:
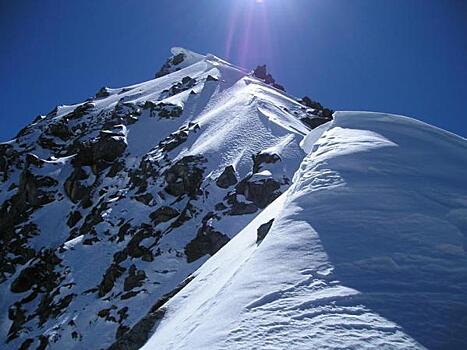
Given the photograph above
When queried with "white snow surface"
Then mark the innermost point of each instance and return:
(367, 251)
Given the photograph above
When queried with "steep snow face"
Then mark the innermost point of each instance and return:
(366, 250)
(108, 205)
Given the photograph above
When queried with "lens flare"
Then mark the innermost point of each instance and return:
(248, 32)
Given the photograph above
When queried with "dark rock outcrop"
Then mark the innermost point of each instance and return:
(31, 190)
(164, 214)
(102, 93)
(263, 158)
(261, 192)
(185, 176)
(100, 153)
(134, 279)
(163, 110)
(238, 207)
(227, 178)
(138, 335)
(207, 241)
(109, 278)
(74, 187)
(60, 129)
(168, 66)
(263, 230)
(261, 73)
(317, 116)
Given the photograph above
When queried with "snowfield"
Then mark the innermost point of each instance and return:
(366, 251)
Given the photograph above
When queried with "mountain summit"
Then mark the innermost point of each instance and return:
(209, 209)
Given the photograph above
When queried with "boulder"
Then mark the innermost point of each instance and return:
(168, 66)
(227, 178)
(100, 153)
(109, 278)
(102, 93)
(207, 241)
(164, 214)
(263, 158)
(185, 176)
(31, 189)
(134, 279)
(263, 230)
(306, 101)
(239, 208)
(261, 192)
(73, 218)
(313, 122)
(60, 129)
(73, 186)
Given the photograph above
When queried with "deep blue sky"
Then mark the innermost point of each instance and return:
(400, 56)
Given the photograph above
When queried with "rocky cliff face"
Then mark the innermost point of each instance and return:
(107, 206)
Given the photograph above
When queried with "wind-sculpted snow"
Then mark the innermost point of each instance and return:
(367, 250)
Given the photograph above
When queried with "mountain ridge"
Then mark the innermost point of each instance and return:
(109, 206)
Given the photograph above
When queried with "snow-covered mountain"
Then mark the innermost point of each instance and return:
(344, 230)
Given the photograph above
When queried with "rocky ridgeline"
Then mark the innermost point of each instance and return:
(94, 237)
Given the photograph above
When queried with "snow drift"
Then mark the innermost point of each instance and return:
(366, 251)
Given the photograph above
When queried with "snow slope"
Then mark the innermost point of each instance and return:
(367, 250)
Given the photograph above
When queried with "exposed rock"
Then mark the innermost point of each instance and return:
(79, 111)
(163, 110)
(319, 115)
(263, 158)
(263, 230)
(60, 130)
(313, 122)
(185, 84)
(207, 241)
(109, 278)
(74, 188)
(137, 336)
(227, 178)
(102, 93)
(32, 159)
(7, 157)
(185, 176)
(211, 78)
(164, 214)
(306, 101)
(278, 86)
(261, 192)
(261, 73)
(240, 208)
(101, 153)
(144, 198)
(134, 279)
(31, 189)
(115, 168)
(174, 140)
(40, 272)
(73, 218)
(135, 250)
(168, 66)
